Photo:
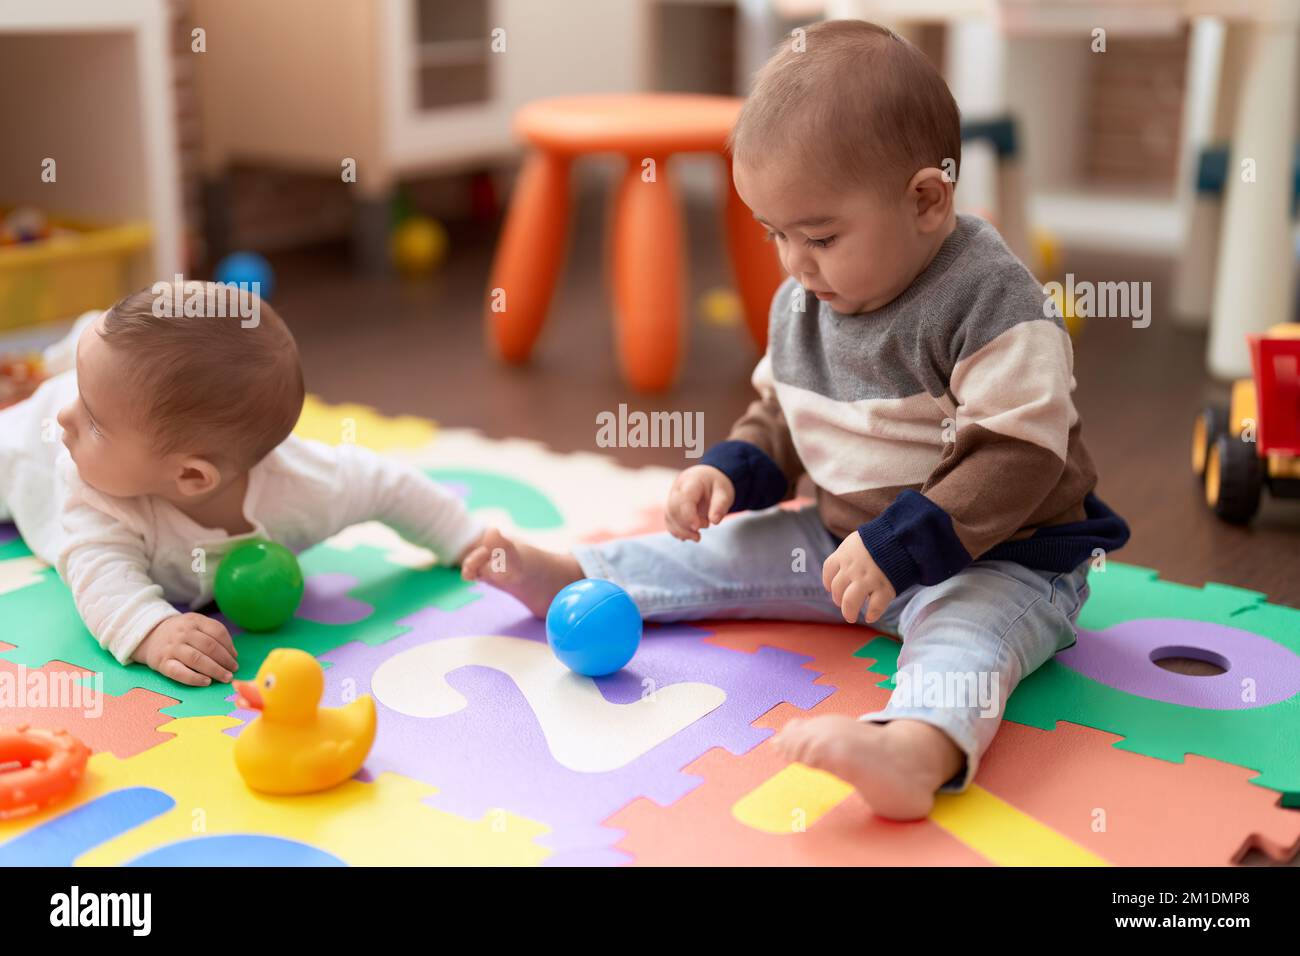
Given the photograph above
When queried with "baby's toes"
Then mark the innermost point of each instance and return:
(500, 553)
(473, 563)
(789, 739)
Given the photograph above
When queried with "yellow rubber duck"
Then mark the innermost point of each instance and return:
(297, 746)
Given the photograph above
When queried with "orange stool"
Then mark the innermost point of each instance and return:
(646, 251)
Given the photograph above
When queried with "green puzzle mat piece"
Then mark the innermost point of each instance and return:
(1126, 592)
(527, 507)
(46, 627)
(1264, 739)
(42, 620)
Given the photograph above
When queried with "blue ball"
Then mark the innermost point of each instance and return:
(245, 268)
(593, 627)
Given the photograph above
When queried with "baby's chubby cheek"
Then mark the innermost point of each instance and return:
(103, 481)
(88, 468)
(69, 442)
(85, 464)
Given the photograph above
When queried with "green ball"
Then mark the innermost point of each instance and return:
(259, 585)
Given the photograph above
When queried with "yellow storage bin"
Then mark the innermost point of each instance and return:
(89, 267)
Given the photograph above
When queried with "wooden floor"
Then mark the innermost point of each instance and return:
(418, 347)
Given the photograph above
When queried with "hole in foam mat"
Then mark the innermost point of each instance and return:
(1190, 661)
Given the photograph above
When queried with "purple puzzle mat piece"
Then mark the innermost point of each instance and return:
(7, 532)
(492, 754)
(1123, 656)
(458, 488)
(325, 600)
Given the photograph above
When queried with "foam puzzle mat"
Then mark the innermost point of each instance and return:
(489, 752)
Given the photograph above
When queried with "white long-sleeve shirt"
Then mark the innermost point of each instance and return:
(129, 560)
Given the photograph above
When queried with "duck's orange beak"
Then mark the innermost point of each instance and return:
(248, 696)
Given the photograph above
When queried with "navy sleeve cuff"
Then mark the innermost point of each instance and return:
(913, 542)
(759, 481)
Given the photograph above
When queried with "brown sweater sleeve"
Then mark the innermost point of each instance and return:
(1013, 424)
(1014, 421)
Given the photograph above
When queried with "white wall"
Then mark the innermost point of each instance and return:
(72, 98)
(1047, 79)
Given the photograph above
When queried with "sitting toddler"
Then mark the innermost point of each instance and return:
(915, 374)
(163, 439)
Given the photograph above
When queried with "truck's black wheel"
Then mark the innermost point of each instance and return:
(1211, 422)
(1234, 476)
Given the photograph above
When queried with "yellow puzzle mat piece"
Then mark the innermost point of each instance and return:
(383, 823)
(21, 572)
(361, 425)
(987, 824)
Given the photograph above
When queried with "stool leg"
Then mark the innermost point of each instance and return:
(529, 256)
(754, 262)
(646, 267)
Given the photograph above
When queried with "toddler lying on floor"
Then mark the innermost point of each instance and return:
(158, 443)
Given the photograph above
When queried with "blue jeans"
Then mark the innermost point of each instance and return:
(967, 641)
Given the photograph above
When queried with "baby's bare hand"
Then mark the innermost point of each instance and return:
(191, 649)
(700, 496)
(853, 578)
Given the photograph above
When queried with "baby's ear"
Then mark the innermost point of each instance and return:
(933, 194)
(196, 476)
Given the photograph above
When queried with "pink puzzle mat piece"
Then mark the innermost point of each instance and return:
(1072, 779)
(51, 697)
(650, 521)
(831, 647)
(700, 828)
(1156, 813)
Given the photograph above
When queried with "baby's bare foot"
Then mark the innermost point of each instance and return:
(897, 767)
(530, 575)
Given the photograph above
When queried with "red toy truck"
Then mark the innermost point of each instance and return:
(1255, 442)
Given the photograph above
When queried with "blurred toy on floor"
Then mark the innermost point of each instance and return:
(20, 375)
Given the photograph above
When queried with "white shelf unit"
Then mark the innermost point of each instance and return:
(89, 84)
(304, 84)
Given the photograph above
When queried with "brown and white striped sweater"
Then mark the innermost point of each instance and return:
(940, 427)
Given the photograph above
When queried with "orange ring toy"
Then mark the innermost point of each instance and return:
(37, 768)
